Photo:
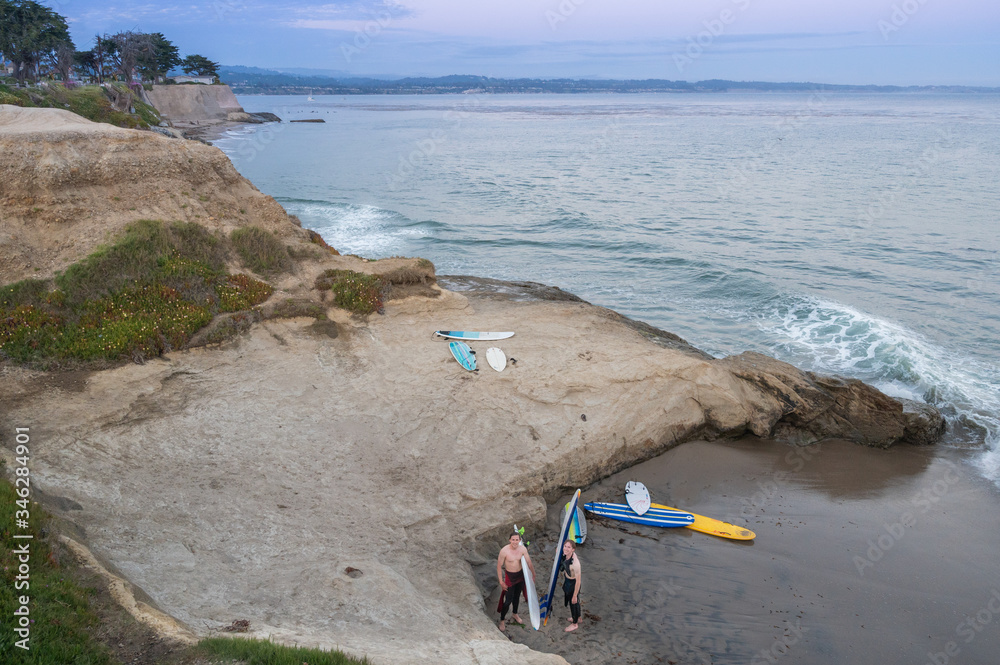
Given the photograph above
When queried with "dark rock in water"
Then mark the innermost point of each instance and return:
(924, 424)
(803, 407)
(309, 120)
(265, 117)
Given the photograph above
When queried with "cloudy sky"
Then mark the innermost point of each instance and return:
(901, 42)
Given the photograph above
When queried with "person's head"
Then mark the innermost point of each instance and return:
(515, 540)
(569, 548)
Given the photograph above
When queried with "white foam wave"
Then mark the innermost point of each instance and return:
(831, 337)
(366, 230)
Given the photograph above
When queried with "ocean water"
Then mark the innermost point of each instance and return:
(844, 233)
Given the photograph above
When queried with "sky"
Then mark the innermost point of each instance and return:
(884, 42)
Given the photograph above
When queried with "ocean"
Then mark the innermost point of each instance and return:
(847, 234)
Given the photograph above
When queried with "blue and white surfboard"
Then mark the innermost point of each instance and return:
(480, 336)
(463, 354)
(653, 516)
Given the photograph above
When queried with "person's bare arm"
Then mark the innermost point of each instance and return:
(579, 582)
(531, 564)
(500, 575)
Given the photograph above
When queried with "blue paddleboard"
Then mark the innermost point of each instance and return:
(652, 517)
(546, 604)
(463, 354)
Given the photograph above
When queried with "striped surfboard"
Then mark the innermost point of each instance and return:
(463, 354)
(652, 517)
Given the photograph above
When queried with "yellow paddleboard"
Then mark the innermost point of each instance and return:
(714, 527)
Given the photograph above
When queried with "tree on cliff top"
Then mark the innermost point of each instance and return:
(30, 34)
(199, 65)
(160, 60)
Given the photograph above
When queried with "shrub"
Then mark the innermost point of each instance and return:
(357, 292)
(261, 251)
(240, 292)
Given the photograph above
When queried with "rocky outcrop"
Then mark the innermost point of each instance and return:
(330, 488)
(803, 407)
(69, 184)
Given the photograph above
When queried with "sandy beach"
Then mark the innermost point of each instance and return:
(861, 556)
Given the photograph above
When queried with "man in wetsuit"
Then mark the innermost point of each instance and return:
(572, 583)
(512, 577)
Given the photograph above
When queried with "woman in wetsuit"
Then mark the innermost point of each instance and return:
(572, 583)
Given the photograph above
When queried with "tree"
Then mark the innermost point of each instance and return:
(86, 64)
(161, 60)
(30, 34)
(199, 65)
(63, 60)
(103, 52)
(129, 48)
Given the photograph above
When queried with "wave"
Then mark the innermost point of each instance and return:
(831, 337)
(366, 230)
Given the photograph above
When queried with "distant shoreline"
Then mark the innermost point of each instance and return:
(246, 80)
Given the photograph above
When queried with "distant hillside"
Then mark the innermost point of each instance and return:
(253, 80)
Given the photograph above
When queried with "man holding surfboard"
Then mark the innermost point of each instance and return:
(511, 576)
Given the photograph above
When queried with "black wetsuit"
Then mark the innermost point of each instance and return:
(515, 587)
(569, 586)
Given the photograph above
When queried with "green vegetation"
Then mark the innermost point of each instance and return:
(147, 293)
(61, 624)
(261, 652)
(91, 102)
(357, 292)
(261, 251)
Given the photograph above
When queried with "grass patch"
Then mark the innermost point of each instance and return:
(147, 293)
(89, 101)
(261, 251)
(357, 292)
(61, 623)
(262, 652)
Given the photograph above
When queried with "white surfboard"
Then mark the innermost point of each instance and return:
(496, 358)
(637, 497)
(534, 610)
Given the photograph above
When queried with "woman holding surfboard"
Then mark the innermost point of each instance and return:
(572, 583)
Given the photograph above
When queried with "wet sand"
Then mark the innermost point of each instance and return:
(861, 556)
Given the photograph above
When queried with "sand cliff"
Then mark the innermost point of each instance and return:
(241, 481)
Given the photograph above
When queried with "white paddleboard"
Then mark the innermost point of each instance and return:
(534, 610)
(637, 497)
(496, 358)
